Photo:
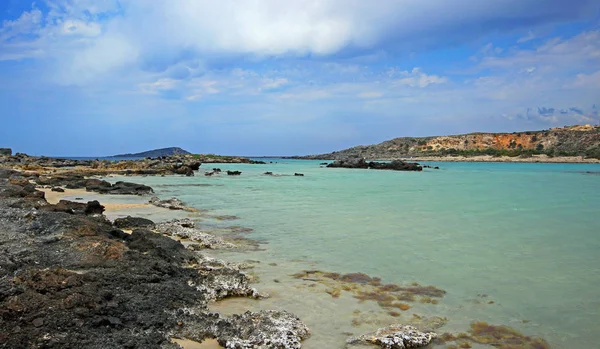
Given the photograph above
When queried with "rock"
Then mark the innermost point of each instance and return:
(396, 165)
(299, 174)
(184, 229)
(396, 337)
(171, 204)
(268, 173)
(58, 189)
(264, 329)
(133, 223)
(5, 152)
(234, 173)
(153, 244)
(71, 207)
(209, 173)
(217, 170)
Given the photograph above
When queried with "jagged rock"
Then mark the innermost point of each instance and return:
(265, 329)
(133, 222)
(5, 152)
(299, 174)
(126, 188)
(171, 204)
(91, 207)
(184, 229)
(58, 189)
(396, 337)
(234, 173)
(148, 242)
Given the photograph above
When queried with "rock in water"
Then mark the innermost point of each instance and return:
(396, 337)
(171, 204)
(264, 329)
(395, 165)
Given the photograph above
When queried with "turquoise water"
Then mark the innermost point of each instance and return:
(526, 235)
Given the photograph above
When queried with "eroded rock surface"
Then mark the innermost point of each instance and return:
(185, 229)
(171, 204)
(396, 337)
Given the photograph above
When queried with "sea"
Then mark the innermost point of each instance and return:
(510, 244)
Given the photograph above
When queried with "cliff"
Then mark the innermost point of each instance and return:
(567, 141)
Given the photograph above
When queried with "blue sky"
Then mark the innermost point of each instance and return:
(271, 77)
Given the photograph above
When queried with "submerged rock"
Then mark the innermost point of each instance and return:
(234, 173)
(396, 337)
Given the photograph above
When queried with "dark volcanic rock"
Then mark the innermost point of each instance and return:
(5, 152)
(124, 188)
(133, 222)
(92, 207)
(58, 189)
(234, 173)
(396, 165)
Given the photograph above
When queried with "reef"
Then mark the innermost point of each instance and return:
(502, 337)
(364, 287)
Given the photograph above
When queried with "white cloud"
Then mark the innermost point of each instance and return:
(166, 29)
(587, 81)
(416, 78)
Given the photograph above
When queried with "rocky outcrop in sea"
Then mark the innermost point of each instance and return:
(396, 165)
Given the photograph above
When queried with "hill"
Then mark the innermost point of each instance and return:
(155, 153)
(565, 141)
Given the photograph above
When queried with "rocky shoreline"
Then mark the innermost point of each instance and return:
(71, 278)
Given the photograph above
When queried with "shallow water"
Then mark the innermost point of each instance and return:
(523, 236)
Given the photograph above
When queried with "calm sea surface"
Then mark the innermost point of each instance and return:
(511, 244)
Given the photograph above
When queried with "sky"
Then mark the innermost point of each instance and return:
(272, 77)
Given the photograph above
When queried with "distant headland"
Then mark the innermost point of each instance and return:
(154, 153)
(561, 144)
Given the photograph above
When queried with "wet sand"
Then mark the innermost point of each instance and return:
(54, 197)
(189, 344)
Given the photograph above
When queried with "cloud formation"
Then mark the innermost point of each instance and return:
(420, 67)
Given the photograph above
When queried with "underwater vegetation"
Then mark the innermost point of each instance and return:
(366, 288)
(502, 337)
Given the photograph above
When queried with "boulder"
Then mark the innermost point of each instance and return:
(171, 204)
(234, 173)
(396, 337)
(91, 207)
(58, 189)
(5, 152)
(133, 223)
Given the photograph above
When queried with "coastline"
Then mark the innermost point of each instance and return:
(507, 159)
(324, 286)
(111, 270)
